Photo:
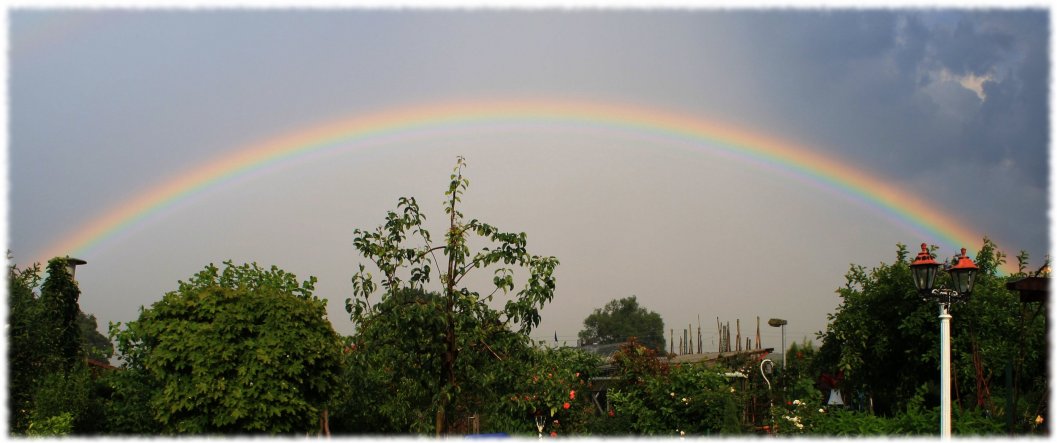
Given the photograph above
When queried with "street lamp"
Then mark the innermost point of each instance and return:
(777, 322)
(963, 277)
(71, 265)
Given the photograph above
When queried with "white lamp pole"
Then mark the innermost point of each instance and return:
(963, 276)
(945, 371)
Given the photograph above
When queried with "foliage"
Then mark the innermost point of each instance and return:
(556, 389)
(884, 337)
(127, 404)
(396, 347)
(622, 319)
(241, 349)
(512, 380)
(46, 347)
(66, 393)
(58, 297)
(93, 344)
(58, 425)
(654, 398)
(798, 379)
(459, 323)
(810, 417)
(28, 356)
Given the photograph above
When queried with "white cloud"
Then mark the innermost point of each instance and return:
(968, 81)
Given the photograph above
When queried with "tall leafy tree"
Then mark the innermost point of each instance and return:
(884, 337)
(28, 355)
(461, 321)
(622, 319)
(48, 376)
(394, 358)
(234, 350)
(59, 299)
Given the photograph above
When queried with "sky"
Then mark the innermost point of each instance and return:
(108, 107)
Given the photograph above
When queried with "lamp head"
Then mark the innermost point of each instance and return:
(963, 273)
(923, 269)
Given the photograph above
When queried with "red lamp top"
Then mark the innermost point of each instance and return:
(925, 259)
(963, 263)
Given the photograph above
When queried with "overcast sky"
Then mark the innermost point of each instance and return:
(951, 104)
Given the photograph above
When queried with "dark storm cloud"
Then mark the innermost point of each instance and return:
(971, 47)
(886, 87)
(920, 97)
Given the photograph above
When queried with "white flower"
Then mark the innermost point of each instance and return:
(796, 402)
(672, 394)
(821, 410)
(684, 399)
(799, 426)
(731, 389)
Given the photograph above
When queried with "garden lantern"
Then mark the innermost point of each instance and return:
(963, 277)
(924, 270)
(963, 274)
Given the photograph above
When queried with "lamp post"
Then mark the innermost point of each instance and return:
(963, 277)
(777, 322)
(71, 266)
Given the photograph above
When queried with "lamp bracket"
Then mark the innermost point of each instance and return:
(947, 296)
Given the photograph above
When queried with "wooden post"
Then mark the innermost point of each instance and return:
(738, 325)
(757, 332)
(699, 347)
(671, 341)
(690, 340)
(726, 340)
(719, 336)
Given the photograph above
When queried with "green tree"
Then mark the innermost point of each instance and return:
(59, 296)
(241, 349)
(506, 380)
(48, 377)
(653, 397)
(622, 319)
(93, 344)
(884, 337)
(28, 348)
(461, 321)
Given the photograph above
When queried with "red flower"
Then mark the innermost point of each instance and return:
(554, 434)
(572, 395)
(611, 413)
(566, 405)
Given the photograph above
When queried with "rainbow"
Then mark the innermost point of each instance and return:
(926, 219)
